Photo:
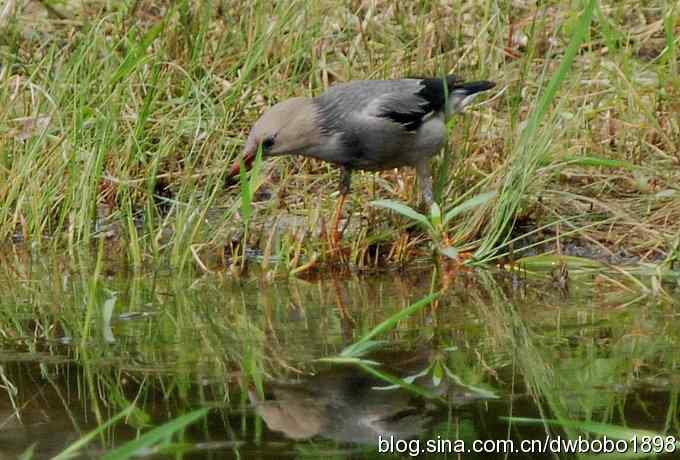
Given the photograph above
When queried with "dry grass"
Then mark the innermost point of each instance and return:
(122, 122)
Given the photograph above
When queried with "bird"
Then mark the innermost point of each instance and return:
(369, 125)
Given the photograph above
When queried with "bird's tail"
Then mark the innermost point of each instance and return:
(463, 93)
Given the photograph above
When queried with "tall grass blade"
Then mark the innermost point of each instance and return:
(72, 450)
(387, 325)
(249, 186)
(531, 148)
(597, 162)
(246, 195)
(28, 453)
(137, 54)
(151, 438)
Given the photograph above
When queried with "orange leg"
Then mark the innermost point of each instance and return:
(345, 181)
(337, 232)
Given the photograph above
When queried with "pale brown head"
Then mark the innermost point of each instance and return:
(289, 127)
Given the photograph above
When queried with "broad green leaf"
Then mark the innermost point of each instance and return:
(473, 202)
(404, 210)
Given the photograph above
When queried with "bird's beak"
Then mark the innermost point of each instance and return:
(247, 158)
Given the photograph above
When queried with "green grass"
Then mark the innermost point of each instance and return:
(122, 121)
(118, 127)
(532, 147)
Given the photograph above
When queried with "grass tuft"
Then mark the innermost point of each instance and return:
(120, 122)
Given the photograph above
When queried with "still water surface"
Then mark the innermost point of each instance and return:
(75, 351)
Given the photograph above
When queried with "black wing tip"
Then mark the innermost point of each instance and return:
(433, 91)
(475, 86)
(455, 82)
(410, 121)
(434, 94)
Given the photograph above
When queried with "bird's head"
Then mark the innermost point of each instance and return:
(286, 128)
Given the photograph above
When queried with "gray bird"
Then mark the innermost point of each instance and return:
(366, 124)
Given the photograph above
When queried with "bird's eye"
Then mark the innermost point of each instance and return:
(268, 143)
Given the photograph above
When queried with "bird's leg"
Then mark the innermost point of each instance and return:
(345, 183)
(345, 180)
(425, 181)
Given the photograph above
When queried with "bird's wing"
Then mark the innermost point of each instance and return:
(409, 111)
(409, 102)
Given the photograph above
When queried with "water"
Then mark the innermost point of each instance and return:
(75, 352)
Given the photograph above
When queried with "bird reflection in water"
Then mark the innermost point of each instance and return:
(345, 403)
